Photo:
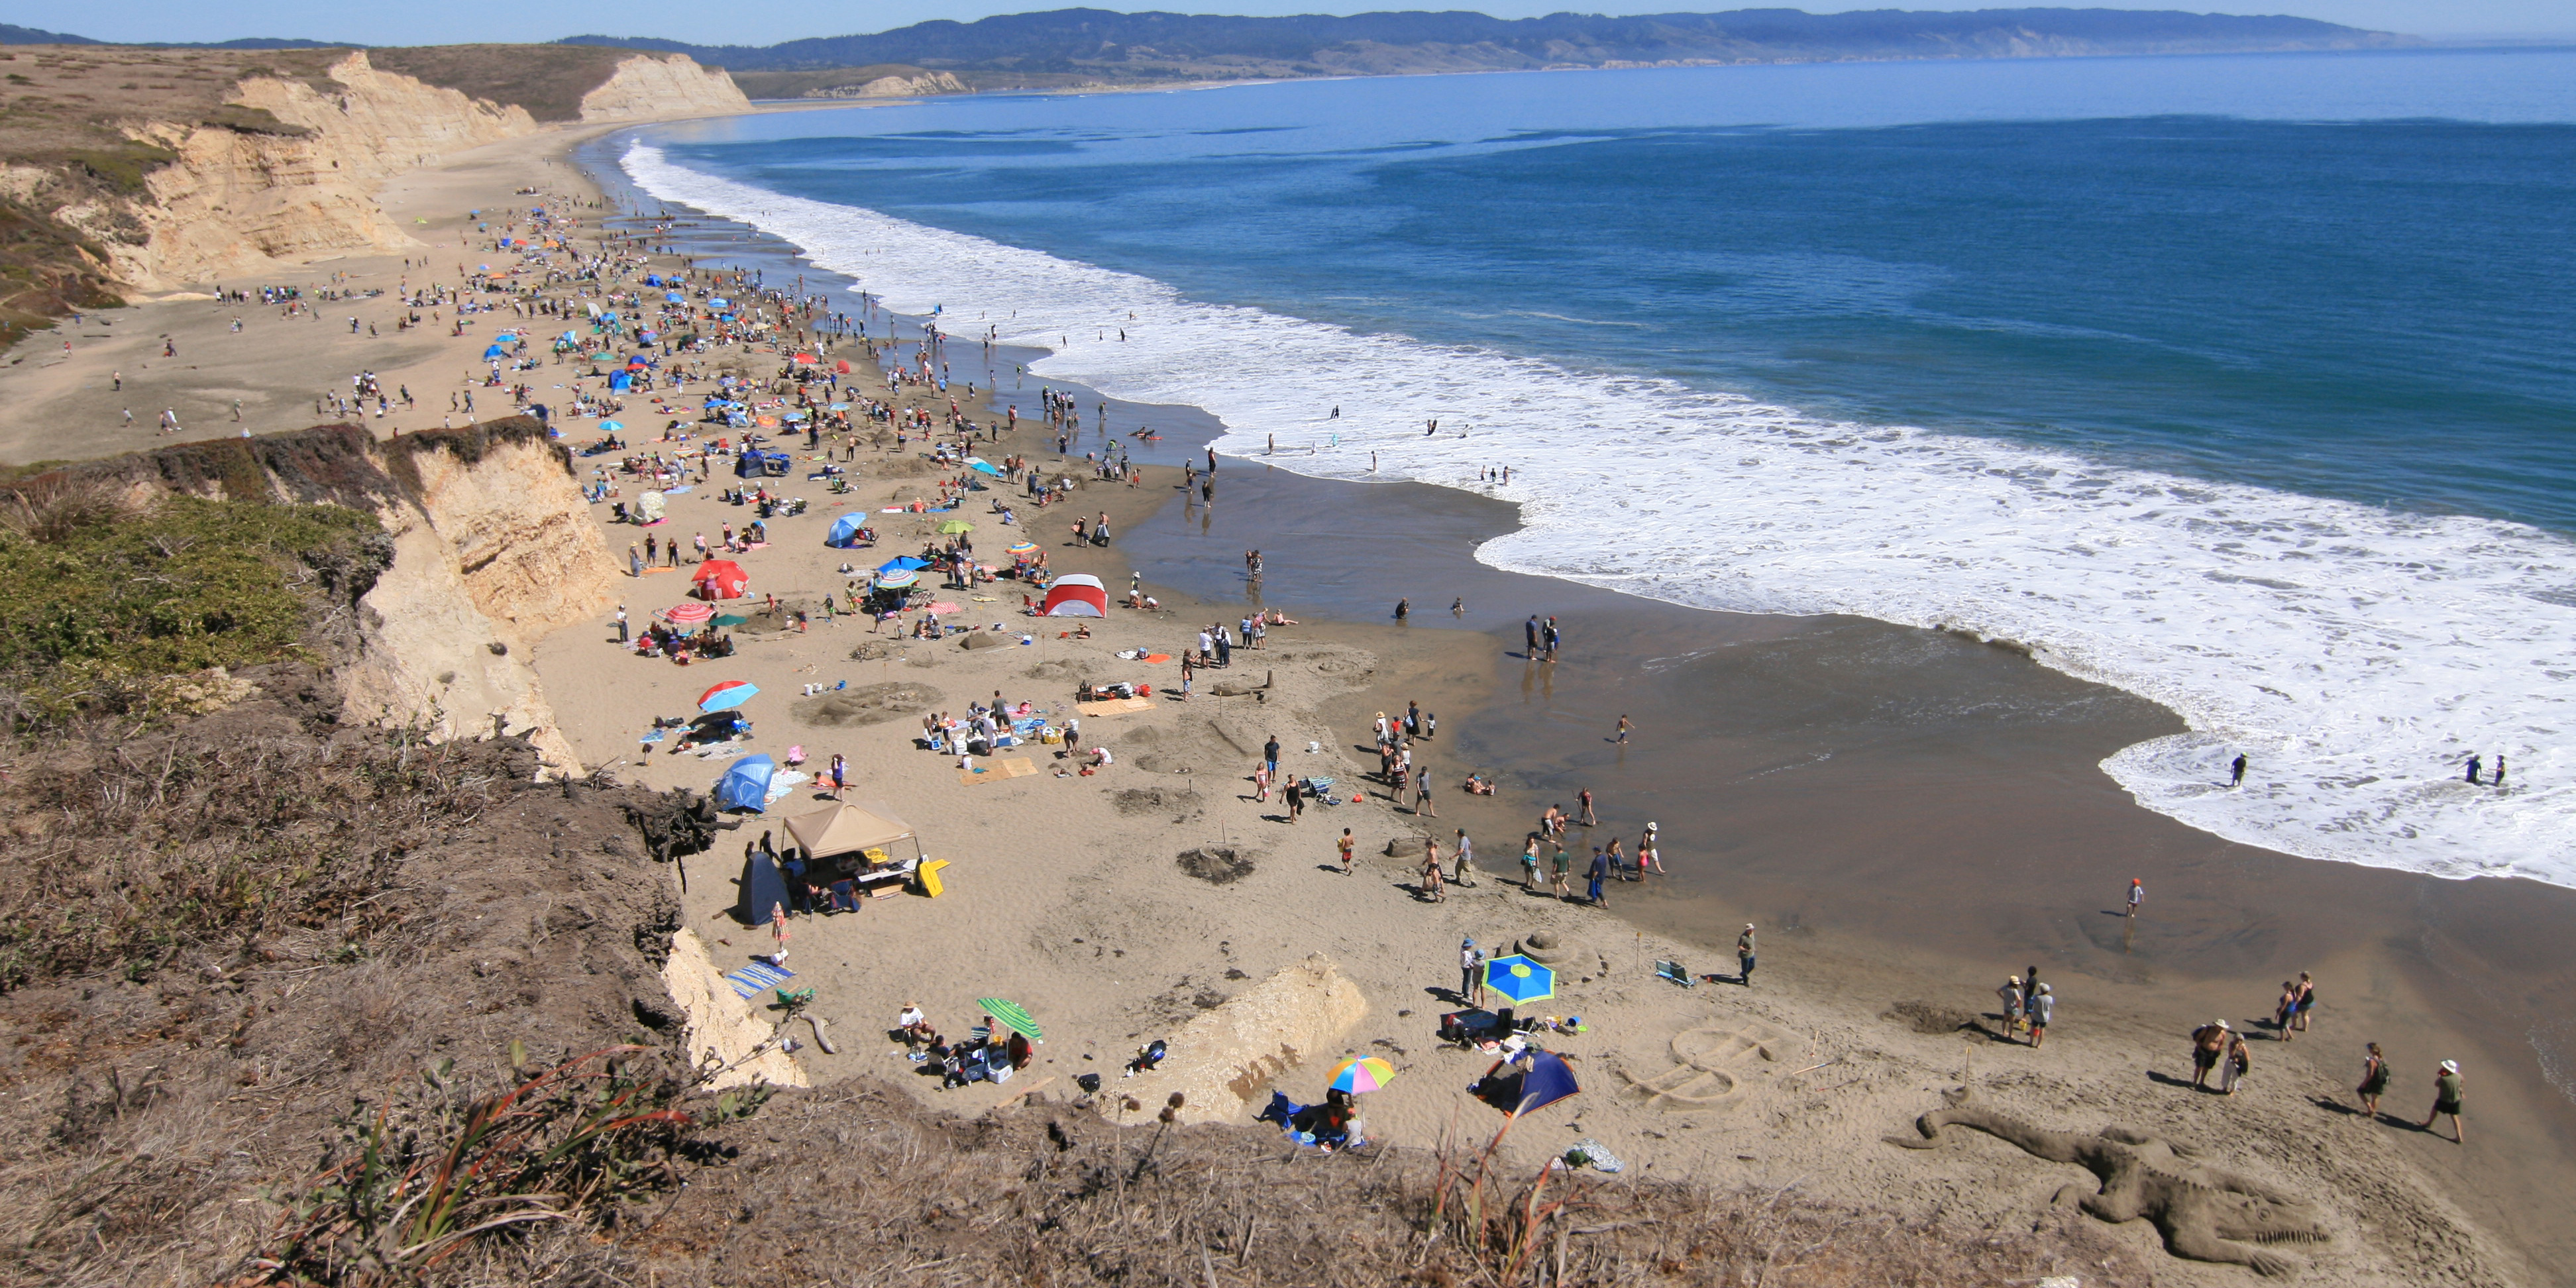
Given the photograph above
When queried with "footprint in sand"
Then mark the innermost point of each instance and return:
(1717, 1067)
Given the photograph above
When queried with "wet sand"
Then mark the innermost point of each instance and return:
(1913, 815)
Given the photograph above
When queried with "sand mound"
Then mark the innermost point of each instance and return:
(872, 650)
(1224, 1060)
(865, 705)
(1216, 864)
(988, 639)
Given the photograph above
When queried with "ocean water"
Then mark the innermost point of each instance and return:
(2247, 384)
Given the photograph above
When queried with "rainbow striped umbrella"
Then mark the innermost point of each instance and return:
(1365, 1073)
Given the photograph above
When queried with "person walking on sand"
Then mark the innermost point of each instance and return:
(1562, 873)
(1529, 864)
(1346, 847)
(1650, 855)
(1422, 807)
(1270, 754)
(1296, 797)
(1624, 726)
(1431, 873)
(2374, 1081)
(2042, 1007)
(2137, 895)
(2446, 1100)
(2208, 1042)
(2285, 1010)
(1744, 956)
(1598, 873)
(2236, 771)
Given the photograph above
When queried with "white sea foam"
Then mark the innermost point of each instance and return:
(2356, 656)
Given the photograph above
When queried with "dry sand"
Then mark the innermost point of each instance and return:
(1066, 894)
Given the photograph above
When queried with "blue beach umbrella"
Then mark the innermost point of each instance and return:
(902, 563)
(1520, 979)
(612, 426)
(728, 695)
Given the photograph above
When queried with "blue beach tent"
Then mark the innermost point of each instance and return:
(763, 891)
(745, 786)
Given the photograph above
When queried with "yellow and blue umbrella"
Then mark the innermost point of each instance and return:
(1520, 979)
(1366, 1073)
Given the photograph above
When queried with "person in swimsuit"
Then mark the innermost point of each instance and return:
(2208, 1042)
(2286, 1010)
(2307, 1002)
(2374, 1081)
(1344, 845)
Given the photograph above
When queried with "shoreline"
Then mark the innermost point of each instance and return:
(1050, 871)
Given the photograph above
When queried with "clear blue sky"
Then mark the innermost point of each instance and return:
(762, 22)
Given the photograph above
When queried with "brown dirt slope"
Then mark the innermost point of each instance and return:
(548, 80)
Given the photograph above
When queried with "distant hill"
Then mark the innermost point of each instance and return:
(1145, 45)
(12, 35)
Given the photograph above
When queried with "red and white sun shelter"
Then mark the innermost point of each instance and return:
(1075, 595)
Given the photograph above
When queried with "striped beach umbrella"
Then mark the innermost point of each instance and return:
(897, 580)
(1010, 1016)
(1366, 1073)
(688, 614)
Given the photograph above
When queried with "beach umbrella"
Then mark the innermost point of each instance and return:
(1010, 1016)
(728, 695)
(806, 358)
(954, 526)
(902, 563)
(1366, 1073)
(1022, 551)
(840, 406)
(611, 426)
(1520, 979)
(897, 580)
(688, 614)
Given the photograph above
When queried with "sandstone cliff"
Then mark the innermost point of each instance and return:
(278, 156)
(490, 550)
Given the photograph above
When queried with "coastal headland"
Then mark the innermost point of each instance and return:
(1894, 882)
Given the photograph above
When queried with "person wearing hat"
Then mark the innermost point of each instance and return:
(2042, 1006)
(2208, 1042)
(1471, 973)
(1649, 855)
(2446, 1100)
(1744, 956)
(2010, 993)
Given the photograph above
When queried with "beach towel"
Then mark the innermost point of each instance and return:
(996, 770)
(751, 979)
(1115, 706)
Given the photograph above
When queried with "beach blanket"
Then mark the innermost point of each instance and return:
(752, 979)
(993, 771)
(1115, 706)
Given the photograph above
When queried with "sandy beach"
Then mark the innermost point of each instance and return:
(1907, 817)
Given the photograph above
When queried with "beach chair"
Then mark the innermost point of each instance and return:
(1675, 972)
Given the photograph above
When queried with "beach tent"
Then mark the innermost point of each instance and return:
(764, 891)
(746, 784)
(843, 828)
(496, 351)
(721, 579)
(845, 530)
(1546, 1081)
(1075, 595)
(620, 382)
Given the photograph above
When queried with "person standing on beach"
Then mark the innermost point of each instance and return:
(2285, 1010)
(2010, 993)
(2307, 998)
(1585, 797)
(1345, 846)
(1549, 638)
(1464, 873)
(1624, 726)
(2237, 772)
(1471, 972)
(2208, 1042)
(2137, 895)
(1598, 872)
(2374, 1081)
(2235, 1064)
(2473, 767)
(1650, 856)
(1270, 754)
(1744, 956)
(1422, 807)
(2042, 1007)
(2498, 781)
(621, 623)
(1562, 870)
(1296, 796)
(1529, 864)
(1431, 873)
(2446, 1100)
(1529, 636)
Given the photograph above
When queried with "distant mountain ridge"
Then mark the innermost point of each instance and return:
(1078, 40)
(11, 34)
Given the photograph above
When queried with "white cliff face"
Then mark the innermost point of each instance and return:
(235, 199)
(897, 87)
(647, 88)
